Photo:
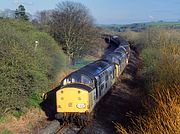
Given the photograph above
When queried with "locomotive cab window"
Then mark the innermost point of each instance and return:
(68, 80)
(64, 82)
(86, 80)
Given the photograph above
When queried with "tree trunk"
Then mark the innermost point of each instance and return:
(73, 61)
(69, 60)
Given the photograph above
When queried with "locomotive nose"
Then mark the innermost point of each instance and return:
(72, 100)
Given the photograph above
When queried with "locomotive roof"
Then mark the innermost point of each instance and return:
(119, 55)
(121, 48)
(94, 68)
(119, 40)
(113, 57)
(91, 70)
(124, 43)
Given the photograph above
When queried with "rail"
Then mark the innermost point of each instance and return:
(70, 129)
(55, 128)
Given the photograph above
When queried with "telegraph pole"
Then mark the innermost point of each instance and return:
(36, 44)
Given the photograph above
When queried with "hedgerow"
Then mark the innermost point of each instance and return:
(26, 70)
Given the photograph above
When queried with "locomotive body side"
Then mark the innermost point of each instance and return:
(82, 90)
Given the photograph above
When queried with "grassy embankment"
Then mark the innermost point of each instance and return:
(26, 70)
(161, 72)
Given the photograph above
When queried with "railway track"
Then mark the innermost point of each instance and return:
(56, 128)
(70, 129)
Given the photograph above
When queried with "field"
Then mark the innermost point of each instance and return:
(164, 24)
(139, 27)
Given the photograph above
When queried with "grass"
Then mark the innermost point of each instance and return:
(163, 24)
(34, 100)
(3, 119)
(24, 123)
(5, 131)
(80, 64)
(160, 56)
(164, 118)
(17, 113)
(83, 62)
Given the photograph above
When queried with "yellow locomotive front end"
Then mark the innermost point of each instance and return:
(72, 100)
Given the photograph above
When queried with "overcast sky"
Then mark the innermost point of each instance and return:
(111, 11)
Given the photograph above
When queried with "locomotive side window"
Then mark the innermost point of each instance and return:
(102, 87)
(73, 80)
(101, 78)
(106, 77)
(111, 74)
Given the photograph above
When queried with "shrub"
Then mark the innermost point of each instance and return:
(24, 69)
(163, 119)
(161, 71)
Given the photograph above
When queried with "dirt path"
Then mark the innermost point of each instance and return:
(125, 97)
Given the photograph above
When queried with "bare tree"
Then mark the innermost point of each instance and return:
(44, 17)
(72, 27)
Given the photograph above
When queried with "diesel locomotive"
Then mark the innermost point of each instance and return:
(81, 90)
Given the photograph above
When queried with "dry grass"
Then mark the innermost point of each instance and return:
(163, 103)
(163, 119)
(25, 123)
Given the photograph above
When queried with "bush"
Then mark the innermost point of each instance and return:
(24, 69)
(163, 119)
(161, 60)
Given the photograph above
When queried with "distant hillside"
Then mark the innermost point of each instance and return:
(138, 27)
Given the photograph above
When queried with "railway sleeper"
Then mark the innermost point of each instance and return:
(76, 118)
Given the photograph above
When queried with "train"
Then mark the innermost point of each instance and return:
(81, 90)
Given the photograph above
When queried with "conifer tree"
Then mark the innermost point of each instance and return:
(20, 13)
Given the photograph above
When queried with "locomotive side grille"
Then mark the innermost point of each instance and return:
(70, 104)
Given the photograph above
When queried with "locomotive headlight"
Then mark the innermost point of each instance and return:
(81, 106)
